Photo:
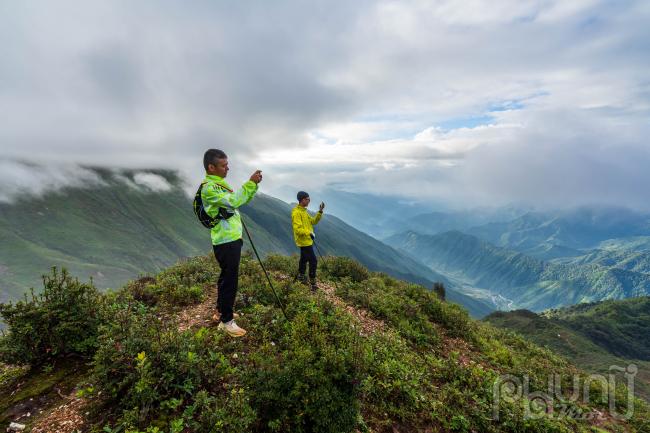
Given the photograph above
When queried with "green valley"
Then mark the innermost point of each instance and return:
(594, 336)
(526, 281)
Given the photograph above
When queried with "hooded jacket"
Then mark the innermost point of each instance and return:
(303, 225)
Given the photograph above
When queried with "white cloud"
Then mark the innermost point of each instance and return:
(376, 94)
(152, 181)
(22, 178)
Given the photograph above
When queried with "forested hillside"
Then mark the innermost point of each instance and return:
(526, 281)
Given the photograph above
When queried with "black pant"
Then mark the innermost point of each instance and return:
(307, 255)
(228, 256)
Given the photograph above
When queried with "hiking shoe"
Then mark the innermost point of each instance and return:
(302, 278)
(232, 329)
(216, 317)
(313, 284)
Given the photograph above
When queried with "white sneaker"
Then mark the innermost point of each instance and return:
(216, 317)
(232, 329)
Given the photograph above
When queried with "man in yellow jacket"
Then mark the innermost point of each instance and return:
(303, 233)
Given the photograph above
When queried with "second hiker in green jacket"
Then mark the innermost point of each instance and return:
(219, 197)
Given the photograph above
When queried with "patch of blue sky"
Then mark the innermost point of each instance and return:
(505, 106)
(465, 122)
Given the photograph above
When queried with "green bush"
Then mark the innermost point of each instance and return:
(345, 267)
(305, 381)
(155, 373)
(183, 284)
(62, 320)
(288, 265)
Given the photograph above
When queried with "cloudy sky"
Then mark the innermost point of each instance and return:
(476, 102)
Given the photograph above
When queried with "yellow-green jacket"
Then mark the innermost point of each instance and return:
(303, 225)
(217, 193)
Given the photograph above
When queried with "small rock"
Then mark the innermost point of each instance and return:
(234, 355)
(28, 414)
(14, 426)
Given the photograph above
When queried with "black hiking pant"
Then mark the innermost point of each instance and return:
(228, 256)
(307, 256)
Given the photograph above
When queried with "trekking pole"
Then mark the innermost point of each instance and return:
(264, 269)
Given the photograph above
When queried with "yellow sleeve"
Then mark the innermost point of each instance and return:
(316, 218)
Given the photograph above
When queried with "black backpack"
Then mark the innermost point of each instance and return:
(205, 219)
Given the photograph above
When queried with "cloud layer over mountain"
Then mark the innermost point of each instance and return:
(474, 102)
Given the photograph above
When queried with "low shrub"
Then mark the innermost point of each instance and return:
(305, 381)
(345, 267)
(62, 320)
(288, 265)
(160, 377)
(183, 284)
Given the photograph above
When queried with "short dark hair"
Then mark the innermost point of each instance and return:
(301, 195)
(211, 156)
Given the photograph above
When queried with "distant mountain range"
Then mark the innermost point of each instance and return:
(548, 235)
(593, 336)
(524, 281)
(378, 216)
(442, 221)
(118, 229)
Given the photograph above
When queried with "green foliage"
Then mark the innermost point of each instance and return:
(527, 281)
(619, 327)
(592, 336)
(301, 382)
(155, 373)
(412, 309)
(288, 265)
(9, 375)
(428, 368)
(345, 267)
(178, 286)
(62, 320)
(304, 381)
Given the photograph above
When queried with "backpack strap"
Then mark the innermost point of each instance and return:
(222, 213)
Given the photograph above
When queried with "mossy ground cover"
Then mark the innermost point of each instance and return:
(432, 368)
(34, 392)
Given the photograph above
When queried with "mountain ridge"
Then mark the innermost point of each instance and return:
(117, 229)
(531, 283)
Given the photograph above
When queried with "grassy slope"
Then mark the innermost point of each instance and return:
(593, 336)
(620, 327)
(113, 233)
(430, 369)
(110, 233)
(529, 282)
